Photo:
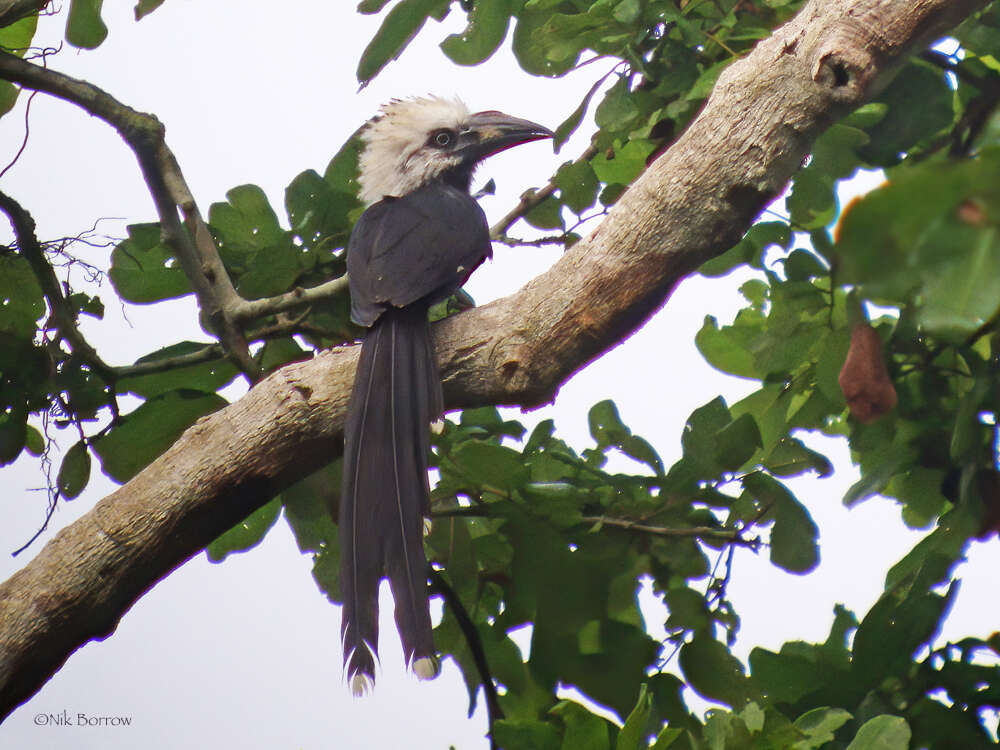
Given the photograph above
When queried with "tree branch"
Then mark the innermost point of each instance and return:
(62, 314)
(692, 203)
(531, 199)
(191, 241)
(696, 532)
(468, 627)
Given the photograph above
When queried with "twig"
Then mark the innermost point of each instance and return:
(552, 239)
(24, 141)
(493, 710)
(530, 200)
(697, 532)
(62, 313)
(298, 297)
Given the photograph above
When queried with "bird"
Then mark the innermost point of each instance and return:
(417, 242)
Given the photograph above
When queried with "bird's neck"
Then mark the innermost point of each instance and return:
(459, 177)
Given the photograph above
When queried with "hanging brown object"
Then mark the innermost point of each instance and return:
(864, 379)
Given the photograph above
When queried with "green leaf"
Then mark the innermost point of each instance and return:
(884, 732)
(491, 465)
(633, 733)
(577, 185)
(786, 677)
(753, 717)
(666, 738)
(546, 215)
(793, 538)
(74, 473)
(400, 26)
(84, 27)
(488, 22)
(895, 628)
(737, 442)
(568, 126)
(21, 301)
(712, 671)
(819, 725)
(34, 443)
(525, 734)
(617, 111)
(13, 430)
(790, 457)
(245, 535)
(812, 202)
(726, 349)
(144, 7)
(15, 38)
(584, 730)
(607, 429)
(919, 102)
(141, 436)
(623, 164)
(8, 96)
(144, 270)
(307, 508)
(368, 7)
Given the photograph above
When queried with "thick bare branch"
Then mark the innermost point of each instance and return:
(693, 202)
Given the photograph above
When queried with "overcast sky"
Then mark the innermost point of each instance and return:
(246, 653)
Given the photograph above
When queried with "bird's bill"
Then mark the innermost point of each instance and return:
(494, 132)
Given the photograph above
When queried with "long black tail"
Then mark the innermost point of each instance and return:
(397, 393)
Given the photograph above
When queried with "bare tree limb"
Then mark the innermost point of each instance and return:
(693, 202)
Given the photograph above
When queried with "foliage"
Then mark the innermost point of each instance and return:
(530, 533)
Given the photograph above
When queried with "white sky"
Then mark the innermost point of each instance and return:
(246, 654)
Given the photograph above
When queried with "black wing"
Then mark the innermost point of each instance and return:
(422, 246)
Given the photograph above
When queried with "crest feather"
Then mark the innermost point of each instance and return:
(394, 160)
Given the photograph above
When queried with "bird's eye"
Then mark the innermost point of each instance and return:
(442, 138)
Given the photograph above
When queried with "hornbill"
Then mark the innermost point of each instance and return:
(418, 241)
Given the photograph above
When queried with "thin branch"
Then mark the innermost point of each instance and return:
(62, 313)
(24, 141)
(552, 239)
(493, 710)
(530, 200)
(696, 532)
(298, 297)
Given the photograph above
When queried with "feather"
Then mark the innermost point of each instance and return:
(397, 393)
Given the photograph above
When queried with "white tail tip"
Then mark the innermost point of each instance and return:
(361, 685)
(425, 668)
